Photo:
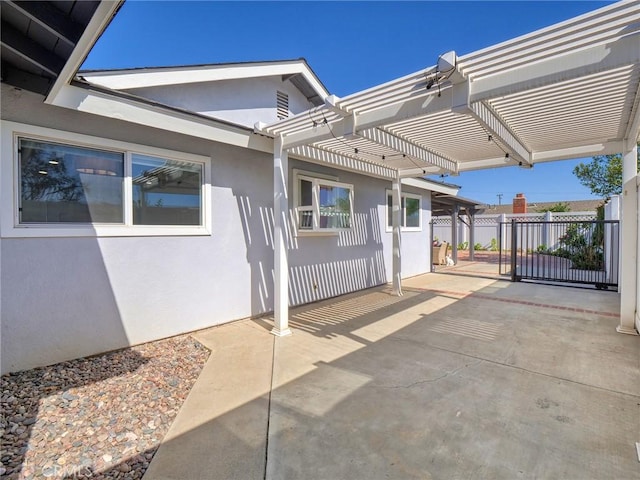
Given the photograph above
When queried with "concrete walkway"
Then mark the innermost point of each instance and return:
(462, 377)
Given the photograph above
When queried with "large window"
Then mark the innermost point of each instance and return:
(75, 188)
(410, 215)
(322, 205)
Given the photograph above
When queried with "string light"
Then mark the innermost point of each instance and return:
(357, 150)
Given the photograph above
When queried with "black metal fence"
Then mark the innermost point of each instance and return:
(583, 252)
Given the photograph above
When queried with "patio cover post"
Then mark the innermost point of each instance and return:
(280, 259)
(629, 242)
(454, 233)
(396, 215)
(471, 212)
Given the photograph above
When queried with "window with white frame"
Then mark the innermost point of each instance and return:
(410, 215)
(78, 188)
(322, 204)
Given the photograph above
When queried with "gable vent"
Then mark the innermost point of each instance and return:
(282, 105)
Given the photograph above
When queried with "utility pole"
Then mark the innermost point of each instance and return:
(499, 195)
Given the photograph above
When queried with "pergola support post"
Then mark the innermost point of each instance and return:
(280, 253)
(454, 233)
(471, 212)
(629, 243)
(396, 219)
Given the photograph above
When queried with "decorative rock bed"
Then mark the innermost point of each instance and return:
(101, 417)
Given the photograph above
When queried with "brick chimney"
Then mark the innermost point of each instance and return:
(519, 203)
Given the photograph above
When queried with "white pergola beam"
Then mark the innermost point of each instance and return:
(343, 162)
(486, 163)
(389, 114)
(497, 127)
(582, 151)
(633, 129)
(408, 148)
(419, 172)
(576, 64)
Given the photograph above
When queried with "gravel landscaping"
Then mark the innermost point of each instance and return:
(101, 417)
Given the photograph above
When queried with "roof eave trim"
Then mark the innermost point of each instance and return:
(143, 78)
(101, 18)
(107, 105)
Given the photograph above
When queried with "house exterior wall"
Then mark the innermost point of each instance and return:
(241, 101)
(67, 297)
(324, 266)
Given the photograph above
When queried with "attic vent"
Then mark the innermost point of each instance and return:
(282, 105)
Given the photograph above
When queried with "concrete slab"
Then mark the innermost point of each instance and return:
(462, 377)
(221, 430)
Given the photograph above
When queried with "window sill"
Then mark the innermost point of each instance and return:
(319, 233)
(57, 231)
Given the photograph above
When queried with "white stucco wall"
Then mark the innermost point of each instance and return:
(243, 101)
(64, 297)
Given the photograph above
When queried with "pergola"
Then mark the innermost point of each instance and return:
(567, 91)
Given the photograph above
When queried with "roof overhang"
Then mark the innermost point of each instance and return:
(297, 72)
(568, 91)
(44, 43)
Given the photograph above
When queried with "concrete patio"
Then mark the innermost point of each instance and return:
(465, 376)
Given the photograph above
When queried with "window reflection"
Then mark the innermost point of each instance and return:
(166, 192)
(68, 184)
(335, 207)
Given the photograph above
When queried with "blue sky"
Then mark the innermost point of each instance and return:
(350, 46)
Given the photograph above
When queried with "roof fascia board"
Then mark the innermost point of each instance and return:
(394, 113)
(98, 103)
(143, 78)
(401, 145)
(429, 186)
(342, 162)
(577, 63)
(99, 21)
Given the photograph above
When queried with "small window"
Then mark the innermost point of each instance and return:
(68, 184)
(410, 217)
(165, 192)
(323, 205)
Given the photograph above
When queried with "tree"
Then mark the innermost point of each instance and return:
(603, 175)
(558, 207)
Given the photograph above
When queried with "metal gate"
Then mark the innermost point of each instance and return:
(582, 252)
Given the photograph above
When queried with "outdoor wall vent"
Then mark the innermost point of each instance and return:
(282, 105)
